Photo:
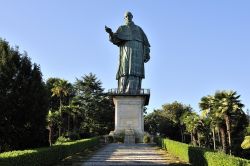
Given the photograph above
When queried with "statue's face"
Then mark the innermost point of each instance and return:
(128, 17)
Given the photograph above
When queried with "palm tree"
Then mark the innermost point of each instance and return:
(206, 105)
(73, 111)
(209, 106)
(228, 103)
(52, 119)
(60, 89)
(50, 125)
(193, 125)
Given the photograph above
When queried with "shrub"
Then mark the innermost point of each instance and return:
(45, 156)
(61, 140)
(146, 138)
(157, 140)
(176, 148)
(119, 137)
(200, 156)
(110, 139)
(74, 136)
(247, 131)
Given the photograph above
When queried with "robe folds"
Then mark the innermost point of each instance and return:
(134, 52)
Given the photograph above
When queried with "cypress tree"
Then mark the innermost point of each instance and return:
(23, 101)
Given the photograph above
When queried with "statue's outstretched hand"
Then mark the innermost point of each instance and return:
(108, 30)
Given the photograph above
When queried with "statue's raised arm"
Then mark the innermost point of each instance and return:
(108, 30)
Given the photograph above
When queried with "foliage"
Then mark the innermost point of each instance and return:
(61, 140)
(110, 139)
(146, 138)
(175, 112)
(176, 148)
(119, 137)
(200, 156)
(23, 101)
(45, 156)
(156, 123)
(194, 126)
(224, 112)
(54, 102)
(222, 121)
(248, 130)
(157, 140)
(84, 109)
(73, 136)
(60, 89)
(246, 143)
(96, 108)
(168, 121)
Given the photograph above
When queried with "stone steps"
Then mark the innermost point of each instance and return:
(132, 154)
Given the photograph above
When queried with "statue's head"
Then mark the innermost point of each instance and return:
(128, 17)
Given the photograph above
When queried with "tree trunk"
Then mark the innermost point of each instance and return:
(59, 131)
(228, 124)
(68, 123)
(191, 134)
(76, 126)
(60, 109)
(50, 135)
(219, 134)
(193, 138)
(74, 123)
(223, 139)
(60, 112)
(182, 138)
(199, 141)
(213, 131)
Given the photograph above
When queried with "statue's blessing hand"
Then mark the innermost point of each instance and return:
(107, 29)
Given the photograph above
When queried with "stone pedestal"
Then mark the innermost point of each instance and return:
(129, 109)
(129, 114)
(129, 136)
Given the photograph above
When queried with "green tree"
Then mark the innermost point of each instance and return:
(224, 111)
(228, 103)
(54, 101)
(73, 110)
(53, 118)
(157, 124)
(60, 89)
(97, 108)
(174, 112)
(207, 105)
(193, 125)
(23, 101)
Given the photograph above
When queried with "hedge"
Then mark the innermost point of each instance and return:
(200, 156)
(45, 156)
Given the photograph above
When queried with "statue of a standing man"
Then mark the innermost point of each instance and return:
(134, 52)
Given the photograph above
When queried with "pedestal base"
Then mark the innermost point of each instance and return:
(129, 115)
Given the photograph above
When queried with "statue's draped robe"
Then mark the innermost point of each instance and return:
(134, 51)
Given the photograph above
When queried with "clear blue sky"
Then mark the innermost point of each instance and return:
(198, 47)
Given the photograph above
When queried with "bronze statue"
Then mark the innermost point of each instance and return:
(134, 52)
